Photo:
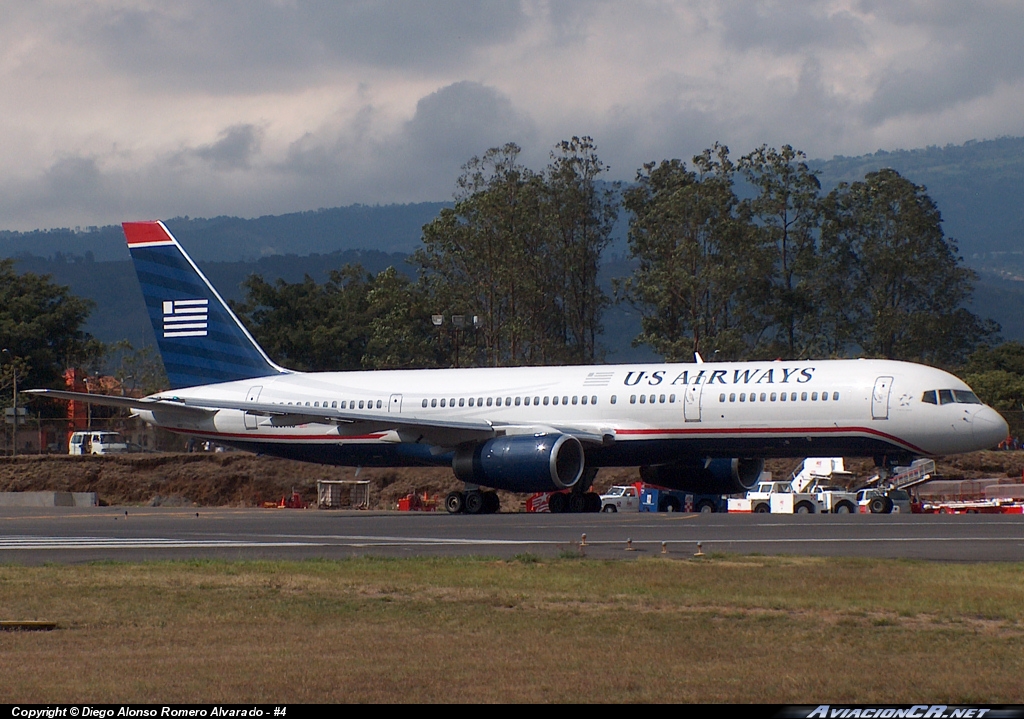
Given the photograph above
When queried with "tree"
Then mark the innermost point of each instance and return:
(307, 326)
(697, 260)
(786, 212)
(582, 216)
(41, 327)
(521, 251)
(896, 286)
(400, 332)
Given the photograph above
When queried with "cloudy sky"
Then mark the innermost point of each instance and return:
(131, 109)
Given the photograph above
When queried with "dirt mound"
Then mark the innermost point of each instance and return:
(238, 479)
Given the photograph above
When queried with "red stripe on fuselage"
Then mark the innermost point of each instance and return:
(768, 432)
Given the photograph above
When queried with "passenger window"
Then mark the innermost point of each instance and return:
(632, 399)
(803, 396)
(774, 396)
(763, 396)
(471, 402)
(814, 396)
(462, 401)
(835, 396)
(361, 403)
(518, 401)
(672, 398)
(584, 399)
(643, 399)
(424, 403)
(536, 401)
(433, 402)
(593, 399)
(442, 401)
(732, 397)
(743, 396)
(792, 396)
(565, 400)
(334, 405)
(721, 397)
(490, 401)
(613, 399)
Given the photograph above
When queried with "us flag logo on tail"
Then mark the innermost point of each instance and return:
(185, 318)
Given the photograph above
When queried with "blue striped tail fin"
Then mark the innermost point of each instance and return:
(201, 340)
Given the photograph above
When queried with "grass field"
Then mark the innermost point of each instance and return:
(721, 629)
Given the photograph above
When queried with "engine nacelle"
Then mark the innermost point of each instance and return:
(522, 463)
(708, 476)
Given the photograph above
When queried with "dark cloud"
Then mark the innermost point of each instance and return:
(788, 27)
(967, 51)
(242, 45)
(234, 150)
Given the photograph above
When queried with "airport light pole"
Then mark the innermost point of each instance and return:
(14, 376)
(458, 327)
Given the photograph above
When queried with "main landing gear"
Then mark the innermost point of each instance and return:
(472, 502)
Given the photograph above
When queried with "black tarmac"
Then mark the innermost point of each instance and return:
(72, 535)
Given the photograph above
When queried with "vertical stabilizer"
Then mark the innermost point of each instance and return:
(201, 340)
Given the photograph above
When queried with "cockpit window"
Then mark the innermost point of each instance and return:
(949, 396)
(966, 397)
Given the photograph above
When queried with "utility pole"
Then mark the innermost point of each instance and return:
(14, 375)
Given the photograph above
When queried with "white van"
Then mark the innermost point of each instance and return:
(95, 442)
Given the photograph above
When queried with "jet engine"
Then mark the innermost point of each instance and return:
(706, 476)
(522, 463)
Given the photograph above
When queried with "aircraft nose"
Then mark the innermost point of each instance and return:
(989, 427)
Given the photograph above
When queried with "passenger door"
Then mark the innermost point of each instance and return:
(880, 398)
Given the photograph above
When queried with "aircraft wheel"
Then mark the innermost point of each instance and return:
(577, 503)
(492, 504)
(474, 502)
(455, 502)
(557, 503)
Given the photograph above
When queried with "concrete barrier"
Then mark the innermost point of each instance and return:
(48, 499)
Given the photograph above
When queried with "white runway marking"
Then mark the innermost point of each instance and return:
(294, 541)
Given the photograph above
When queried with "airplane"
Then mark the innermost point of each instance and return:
(701, 426)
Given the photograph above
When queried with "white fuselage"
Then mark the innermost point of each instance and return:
(645, 412)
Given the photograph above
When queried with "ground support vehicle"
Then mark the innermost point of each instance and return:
(656, 499)
(884, 501)
(563, 501)
(806, 492)
(96, 442)
(777, 497)
(981, 506)
(622, 498)
(418, 503)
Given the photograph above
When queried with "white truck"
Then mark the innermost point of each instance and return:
(621, 498)
(96, 442)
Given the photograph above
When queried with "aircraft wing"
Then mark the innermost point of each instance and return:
(148, 403)
(442, 432)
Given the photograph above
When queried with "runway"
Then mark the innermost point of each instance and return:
(71, 535)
